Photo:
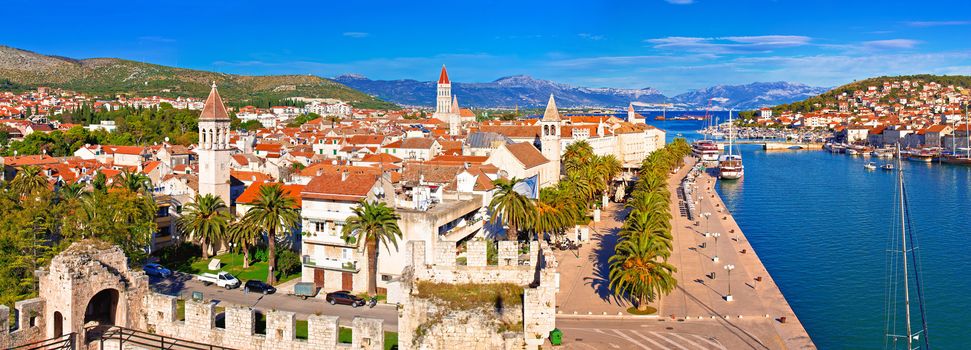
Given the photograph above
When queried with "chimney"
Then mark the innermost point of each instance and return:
(344, 175)
(319, 171)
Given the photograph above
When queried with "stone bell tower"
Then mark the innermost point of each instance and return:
(213, 150)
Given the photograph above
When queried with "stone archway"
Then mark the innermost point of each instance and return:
(102, 308)
(58, 324)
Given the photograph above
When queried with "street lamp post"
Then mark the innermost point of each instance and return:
(714, 256)
(707, 216)
(729, 268)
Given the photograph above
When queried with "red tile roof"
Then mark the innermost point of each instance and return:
(249, 195)
(214, 109)
(443, 77)
(336, 187)
(527, 154)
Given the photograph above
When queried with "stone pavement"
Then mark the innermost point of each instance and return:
(751, 320)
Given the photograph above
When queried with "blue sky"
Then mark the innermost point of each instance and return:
(672, 45)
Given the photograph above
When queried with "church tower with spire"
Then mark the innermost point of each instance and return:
(443, 103)
(213, 150)
(455, 118)
(550, 133)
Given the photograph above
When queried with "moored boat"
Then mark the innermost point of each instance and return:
(730, 165)
(888, 166)
(706, 150)
(870, 166)
(922, 155)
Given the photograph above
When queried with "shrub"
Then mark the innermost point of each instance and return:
(287, 262)
(179, 257)
(261, 254)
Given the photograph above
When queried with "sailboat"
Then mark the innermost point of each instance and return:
(904, 258)
(730, 165)
(960, 156)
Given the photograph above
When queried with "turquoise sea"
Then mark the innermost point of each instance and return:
(820, 223)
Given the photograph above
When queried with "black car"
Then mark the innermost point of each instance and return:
(257, 286)
(344, 297)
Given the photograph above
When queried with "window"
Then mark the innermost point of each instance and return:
(347, 253)
(320, 226)
(386, 278)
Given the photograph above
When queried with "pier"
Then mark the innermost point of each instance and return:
(742, 299)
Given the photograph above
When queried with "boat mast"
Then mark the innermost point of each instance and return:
(731, 136)
(967, 134)
(903, 249)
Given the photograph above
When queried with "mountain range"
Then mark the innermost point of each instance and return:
(109, 76)
(526, 91)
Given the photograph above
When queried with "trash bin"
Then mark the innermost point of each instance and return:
(556, 336)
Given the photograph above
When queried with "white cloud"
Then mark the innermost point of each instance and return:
(937, 23)
(730, 44)
(891, 44)
(589, 36)
(680, 2)
(356, 35)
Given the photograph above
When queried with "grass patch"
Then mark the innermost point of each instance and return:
(472, 295)
(179, 310)
(634, 311)
(345, 335)
(233, 263)
(301, 330)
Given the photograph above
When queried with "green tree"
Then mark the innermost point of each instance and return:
(244, 235)
(134, 182)
(274, 212)
(636, 270)
(29, 180)
(206, 219)
(511, 208)
(375, 224)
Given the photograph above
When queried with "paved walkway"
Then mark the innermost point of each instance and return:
(752, 320)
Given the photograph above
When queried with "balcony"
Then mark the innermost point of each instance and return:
(328, 239)
(330, 264)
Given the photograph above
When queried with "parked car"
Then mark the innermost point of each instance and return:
(257, 286)
(156, 270)
(344, 297)
(223, 279)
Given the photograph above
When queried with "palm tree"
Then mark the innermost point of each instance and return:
(72, 191)
(373, 223)
(554, 212)
(134, 182)
(28, 179)
(274, 212)
(577, 155)
(635, 270)
(206, 220)
(512, 208)
(244, 235)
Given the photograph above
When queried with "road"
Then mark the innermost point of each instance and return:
(183, 285)
(643, 335)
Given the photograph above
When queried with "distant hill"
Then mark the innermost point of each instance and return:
(109, 76)
(748, 96)
(526, 91)
(520, 90)
(829, 97)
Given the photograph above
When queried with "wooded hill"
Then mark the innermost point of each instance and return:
(21, 70)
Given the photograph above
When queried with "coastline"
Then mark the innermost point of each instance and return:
(758, 307)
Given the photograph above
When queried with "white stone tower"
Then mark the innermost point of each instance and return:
(550, 133)
(443, 105)
(213, 150)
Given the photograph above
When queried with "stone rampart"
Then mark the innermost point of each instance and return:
(240, 331)
(424, 324)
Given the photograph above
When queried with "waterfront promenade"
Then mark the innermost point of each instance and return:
(590, 316)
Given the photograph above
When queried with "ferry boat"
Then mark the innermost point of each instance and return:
(706, 150)
(730, 165)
